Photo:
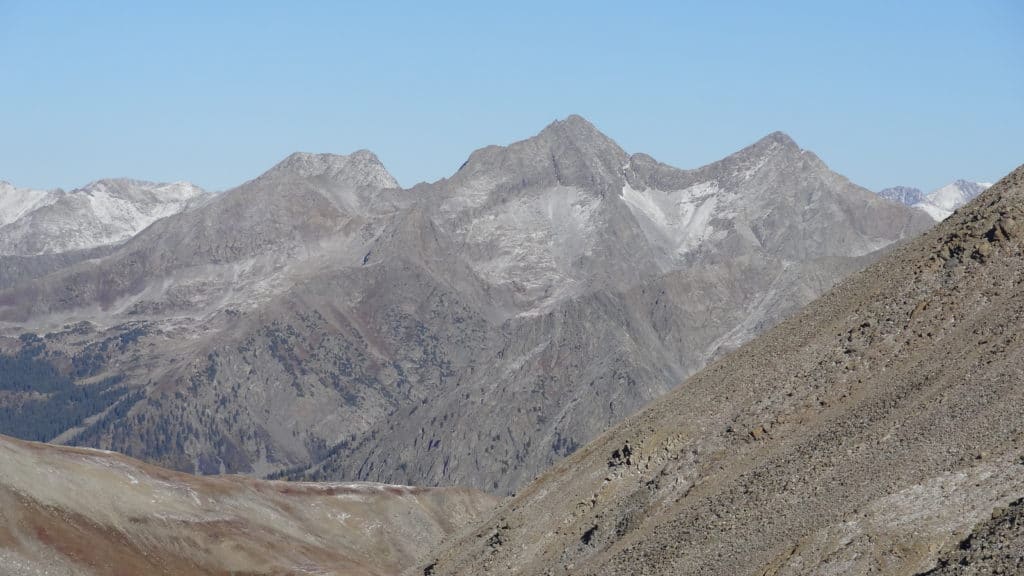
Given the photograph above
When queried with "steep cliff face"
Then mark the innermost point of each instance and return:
(321, 321)
(875, 431)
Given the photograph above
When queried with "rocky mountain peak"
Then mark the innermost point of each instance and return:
(774, 148)
(573, 128)
(569, 152)
(903, 194)
(970, 188)
(361, 168)
(780, 138)
(938, 203)
(775, 143)
(576, 136)
(773, 154)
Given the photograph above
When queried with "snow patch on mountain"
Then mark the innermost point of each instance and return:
(531, 242)
(940, 204)
(952, 196)
(103, 212)
(937, 214)
(16, 202)
(679, 220)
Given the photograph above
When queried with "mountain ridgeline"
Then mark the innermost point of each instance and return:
(320, 322)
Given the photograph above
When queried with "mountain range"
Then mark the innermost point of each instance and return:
(939, 203)
(319, 322)
(877, 431)
(621, 345)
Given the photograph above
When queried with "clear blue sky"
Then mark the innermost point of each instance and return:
(915, 93)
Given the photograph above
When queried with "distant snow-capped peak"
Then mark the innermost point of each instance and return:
(941, 202)
(34, 222)
(954, 195)
(16, 202)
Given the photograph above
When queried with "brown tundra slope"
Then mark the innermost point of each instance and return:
(868, 434)
(73, 511)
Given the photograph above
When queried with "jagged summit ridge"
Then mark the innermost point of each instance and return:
(952, 196)
(575, 129)
(569, 152)
(777, 138)
(360, 168)
(903, 194)
(574, 152)
(771, 145)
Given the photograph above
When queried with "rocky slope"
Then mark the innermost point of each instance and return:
(34, 222)
(995, 546)
(868, 434)
(66, 511)
(319, 320)
(20, 269)
(939, 203)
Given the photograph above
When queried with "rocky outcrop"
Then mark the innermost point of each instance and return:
(995, 546)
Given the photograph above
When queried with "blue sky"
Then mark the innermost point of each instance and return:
(915, 93)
